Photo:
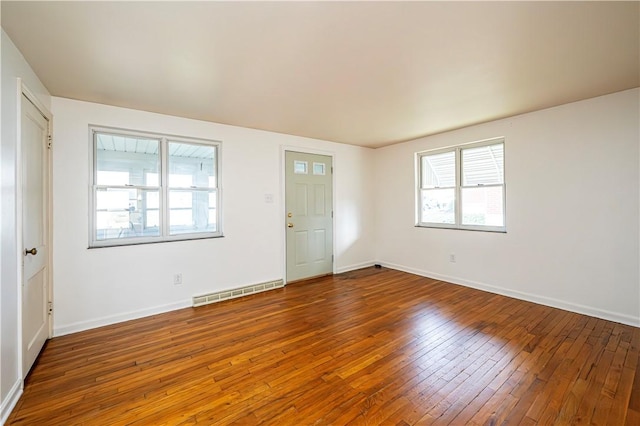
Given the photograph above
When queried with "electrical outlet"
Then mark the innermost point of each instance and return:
(177, 279)
(452, 258)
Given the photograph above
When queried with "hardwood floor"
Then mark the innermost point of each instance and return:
(373, 346)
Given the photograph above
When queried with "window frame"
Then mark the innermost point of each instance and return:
(163, 188)
(458, 149)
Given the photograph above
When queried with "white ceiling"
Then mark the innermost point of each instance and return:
(363, 73)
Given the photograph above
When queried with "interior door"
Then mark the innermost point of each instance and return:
(35, 291)
(309, 215)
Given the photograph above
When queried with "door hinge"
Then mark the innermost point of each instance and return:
(331, 258)
(50, 307)
(331, 214)
(49, 142)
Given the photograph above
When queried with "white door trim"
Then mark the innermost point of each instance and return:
(283, 207)
(24, 90)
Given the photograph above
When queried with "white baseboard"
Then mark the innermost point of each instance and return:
(529, 297)
(355, 266)
(113, 319)
(10, 402)
(543, 300)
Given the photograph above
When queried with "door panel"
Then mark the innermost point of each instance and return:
(320, 242)
(34, 295)
(35, 270)
(301, 200)
(308, 202)
(320, 192)
(302, 247)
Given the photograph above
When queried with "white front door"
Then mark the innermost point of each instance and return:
(309, 215)
(35, 277)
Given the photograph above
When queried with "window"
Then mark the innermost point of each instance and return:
(462, 187)
(150, 188)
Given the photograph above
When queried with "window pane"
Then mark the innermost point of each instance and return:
(483, 165)
(152, 179)
(181, 181)
(125, 160)
(482, 206)
(153, 200)
(190, 211)
(192, 165)
(153, 218)
(181, 200)
(437, 206)
(122, 213)
(300, 167)
(439, 170)
(113, 178)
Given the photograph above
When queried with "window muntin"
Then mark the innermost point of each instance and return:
(151, 188)
(462, 187)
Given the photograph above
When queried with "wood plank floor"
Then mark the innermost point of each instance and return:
(373, 346)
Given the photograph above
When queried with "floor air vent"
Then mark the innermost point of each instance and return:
(219, 296)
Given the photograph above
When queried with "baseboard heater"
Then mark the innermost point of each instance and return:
(219, 296)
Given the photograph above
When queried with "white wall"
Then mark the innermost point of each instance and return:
(100, 286)
(572, 238)
(13, 67)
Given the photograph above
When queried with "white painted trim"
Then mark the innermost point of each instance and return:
(162, 188)
(24, 90)
(459, 186)
(529, 297)
(283, 206)
(10, 402)
(114, 319)
(18, 221)
(355, 266)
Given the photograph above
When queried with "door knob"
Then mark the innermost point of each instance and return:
(33, 251)
(289, 225)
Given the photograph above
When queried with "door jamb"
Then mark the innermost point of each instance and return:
(283, 207)
(23, 89)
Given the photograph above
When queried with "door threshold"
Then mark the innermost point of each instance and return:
(307, 279)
